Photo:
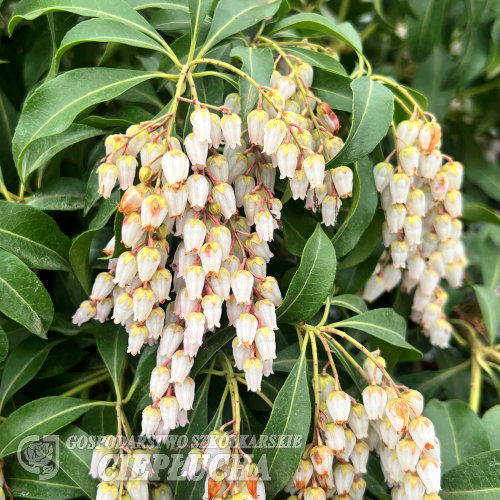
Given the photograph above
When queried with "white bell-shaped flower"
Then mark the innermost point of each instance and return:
(200, 120)
(194, 235)
(175, 166)
(144, 300)
(223, 194)
(299, 184)
(253, 374)
(160, 380)
(185, 394)
(221, 283)
(396, 217)
(108, 173)
(400, 187)
(212, 309)
(218, 167)
(126, 269)
(126, 166)
(231, 129)
(155, 323)
(382, 173)
(314, 168)
(343, 179)
(103, 286)
(171, 339)
(169, 408)
(196, 151)
(181, 366)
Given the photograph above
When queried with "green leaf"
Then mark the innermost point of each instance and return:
(298, 226)
(424, 30)
(168, 21)
(493, 66)
(4, 345)
(312, 282)
(160, 4)
(92, 191)
(318, 60)
(198, 10)
(459, 430)
(43, 416)
(250, 426)
(372, 111)
(43, 150)
(291, 415)
(477, 212)
(126, 116)
(384, 324)
(106, 209)
(363, 207)
(117, 226)
(478, 478)
(23, 364)
(54, 105)
(491, 423)
(215, 341)
(318, 24)
(105, 31)
(100, 421)
(374, 477)
(489, 303)
(258, 64)
(63, 194)
(58, 361)
(490, 263)
(75, 460)
(334, 88)
(23, 297)
(79, 258)
(232, 16)
(23, 483)
(112, 346)
(355, 376)
(352, 302)
(33, 236)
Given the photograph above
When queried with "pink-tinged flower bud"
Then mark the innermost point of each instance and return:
(181, 366)
(171, 339)
(185, 394)
(221, 283)
(231, 129)
(123, 309)
(428, 281)
(218, 167)
(328, 118)
(396, 217)
(414, 487)
(416, 202)
(453, 203)
(137, 335)
(176, 198)
(358, 421)
(211, 258)
(264, 226)
(440, 333)
(343, 178)
(103, 286)
(126, 165)
(175, 166)
(160, 380)
(109, 249)
(266, 311)
(108, 174)
(200, 119)
(246, 328)
(198, 188)
(339, 406)
(287, 157)
(84, 313)
(103, 309)
(197, 151)
(269, 289)
(234, 309)
(253, 374)
(344, 476)
(408, 454)
(155, 323)
(399, 252)
(265, 341)
(243, 186)
(223, 194)
(257, 121)
(382, 173)
(374, 399)
(242, 284)
(195, 281)
(153, 212)
(131, 200)
(322, 460)
(372, 369)
(194, 235)
(439, 186)
(126, 269)
(429, 472)
(398, 413)
(409, 159)
(132, 231)
(299, 184)
(421, 430)
(359, 457)
(169, 408)
(148, 260)
(151, 156)
(192, 465)
(144, 300)
(160, 284)
(454, 171)
(400, 187)
(212, 309)
(335, 438)
(374, 288)
(314, 168)
(408, 131)
(429, 164)
(241, 354)
(195, 328)
(429, 136)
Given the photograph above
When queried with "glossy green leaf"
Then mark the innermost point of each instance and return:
(459, 430)
(23, 483)
(363, 207)
(100, 421)
(117, 227)
(33, 236)
(54, 105)
(490, 263)
(424, 30)
(298, 226)
(92, 191)
(23, 297)
(372, 111)
(58, 361)
(232, 16)
(43, 416)
(333, 88)
(105, 31)
(312, 282)
(317, 59)
(318, 24)
(198, 10)
(79, 258)
(477, 212)
(493, 65)
(250, 426)
(215, 341)
(491, 423)
(352, 302)
(168, 21)
(23, 364)
(126, 116)
(478, 478)
(160, 4)
(112, 345)
(106, 209)
(63, 194)
(489, 302)
(258, 64)
(384, 324)
(291, 415)
(4, 345)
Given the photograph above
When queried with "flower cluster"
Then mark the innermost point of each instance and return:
(423, 203)
(389, 423)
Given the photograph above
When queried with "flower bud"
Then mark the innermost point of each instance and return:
(148, 260)
(137, 335)
(453, 203)
(171, 339)
(396, 217)
(200, 120)
(343, 178)
(108, 174)
(265, 341)
(103, 286)
(339, 406)
(84, 313)
(407, 131)
(160, 380)
(253, 374)
(314, 168)
(382, 173)
(344, 476)
(400, 187)
(328, 118)
(126, 165)
(454, 172)
(429, 136)
(359, 457)
(374, 399)
(409, 159)
(181, 366)
(231, 128)
(197, 188)
(299, 184)
(429, 164)
(131, 200)
(374, 288)
(143, 303)
(322, 460)
(223, 194)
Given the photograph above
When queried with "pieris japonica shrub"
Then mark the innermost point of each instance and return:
(240, 256)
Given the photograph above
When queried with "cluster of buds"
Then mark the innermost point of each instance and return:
(121, 468)
(422, 202)
(388, 423)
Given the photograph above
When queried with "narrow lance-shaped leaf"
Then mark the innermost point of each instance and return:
(214, 342)
(312, 282)
(4, 344)
(65, 193)
(160, 4)
(112, 345)
(23, 297)
(491, 423)
(198, 10)
(489, 302)
(333, 88)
